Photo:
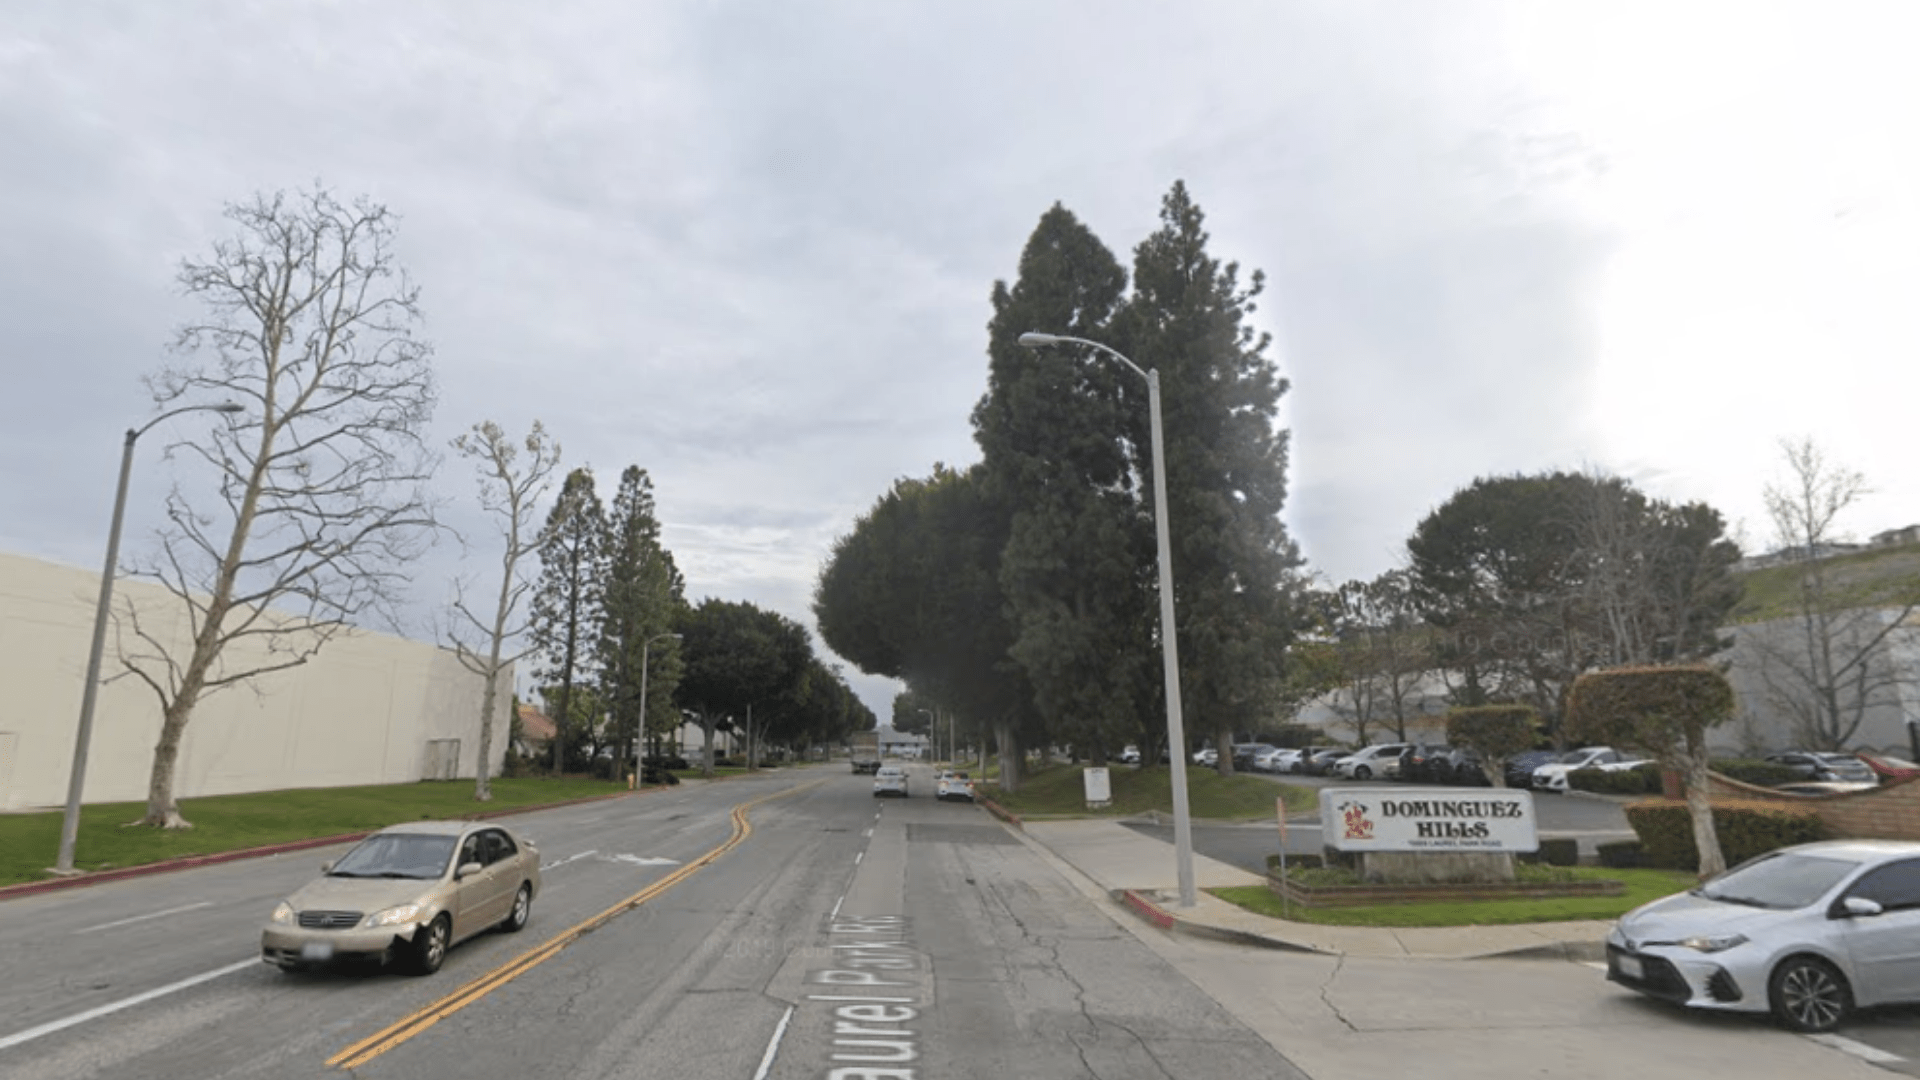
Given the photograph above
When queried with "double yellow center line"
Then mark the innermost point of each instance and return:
(413, 1024)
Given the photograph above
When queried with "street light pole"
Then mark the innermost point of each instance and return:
(1169, 648)
(83, 739)
(640, 734)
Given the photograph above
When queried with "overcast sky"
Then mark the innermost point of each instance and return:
(749, 246)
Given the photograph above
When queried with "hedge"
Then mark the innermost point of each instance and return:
(1640, 781)
(1562, 852)
(1756, 772)
(1745, 829)
(1621, 854)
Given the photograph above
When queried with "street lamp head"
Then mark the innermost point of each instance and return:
(1032, 340)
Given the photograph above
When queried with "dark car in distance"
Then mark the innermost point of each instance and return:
(1519, 769)
(1809, 765)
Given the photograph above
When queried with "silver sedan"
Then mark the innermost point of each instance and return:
(1807, 933)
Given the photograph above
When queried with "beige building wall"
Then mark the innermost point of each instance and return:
(368, 709)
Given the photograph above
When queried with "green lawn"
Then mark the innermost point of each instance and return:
(1057, 790)
(29, 843)
(1642, 886)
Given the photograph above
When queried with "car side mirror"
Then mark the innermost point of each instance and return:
(467, 869)
(1859, 907)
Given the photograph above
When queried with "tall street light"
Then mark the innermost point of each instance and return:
(77, 780)
(640, 735)
(1169, 649)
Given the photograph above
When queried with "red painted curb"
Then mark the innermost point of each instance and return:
(188, 862)
(1151, 911)
(1001, 812)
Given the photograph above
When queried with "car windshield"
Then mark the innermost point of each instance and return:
(1575, 757)
(1780, 882)
(396, 855)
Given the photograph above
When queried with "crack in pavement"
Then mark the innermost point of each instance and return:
(1326, 990)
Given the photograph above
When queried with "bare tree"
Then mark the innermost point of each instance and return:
(510, 491)
(1836, 664)
(320, 494)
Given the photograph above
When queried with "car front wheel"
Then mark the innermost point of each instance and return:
(1361, 772)
(1809, 995)
(429, 948)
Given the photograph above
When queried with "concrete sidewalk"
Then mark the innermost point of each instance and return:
(1139, 871)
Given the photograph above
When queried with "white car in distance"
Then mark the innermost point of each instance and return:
(890, 780)
(1553, 775)
(1370, 762)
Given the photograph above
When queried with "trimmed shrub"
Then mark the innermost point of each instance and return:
(1295, 862)
(1621, 854)
(1756, 772)
(1745, 829)
(1643, 781)
(1561, 852)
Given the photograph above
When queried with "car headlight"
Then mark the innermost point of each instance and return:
(284, 913)
(1712, 943)
(395, 916)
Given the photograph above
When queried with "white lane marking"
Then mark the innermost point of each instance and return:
(638, 860)
(144, 918)
(1597, 965)
(857, 856)
(568, 859)
(106, 1010)
(869, 834)
(773, 1046)
(835, 913)
(1858, 1049)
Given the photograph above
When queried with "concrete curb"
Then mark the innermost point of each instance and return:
(1145, 907)
(189, 862)
(1000, 812)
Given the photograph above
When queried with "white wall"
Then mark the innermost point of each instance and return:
(361, 712)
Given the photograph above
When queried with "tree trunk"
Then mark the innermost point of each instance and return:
(706, 759)
(1009, 758)
(161, 810)
(1700, 808)
(489, 701)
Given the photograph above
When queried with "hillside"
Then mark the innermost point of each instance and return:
(1873, 578)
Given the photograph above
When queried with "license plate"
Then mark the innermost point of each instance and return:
(316, 950)
(1630, 967)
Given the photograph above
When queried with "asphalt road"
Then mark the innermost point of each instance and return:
(906, 938)
(843, 932)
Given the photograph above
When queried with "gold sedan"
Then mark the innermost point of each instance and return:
(406, 894)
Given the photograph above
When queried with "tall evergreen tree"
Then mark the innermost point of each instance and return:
(567, 605)
(1077, 566)
(1233, 562)
(643, 588)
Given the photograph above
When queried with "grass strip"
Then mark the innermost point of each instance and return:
(1642, 886)
(106, 840)
(1057, 790)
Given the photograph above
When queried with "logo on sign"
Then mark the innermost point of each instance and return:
(1359, 827)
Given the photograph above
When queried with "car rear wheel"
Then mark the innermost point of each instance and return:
(429, 948)
(522, 907)
(1809, 995)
